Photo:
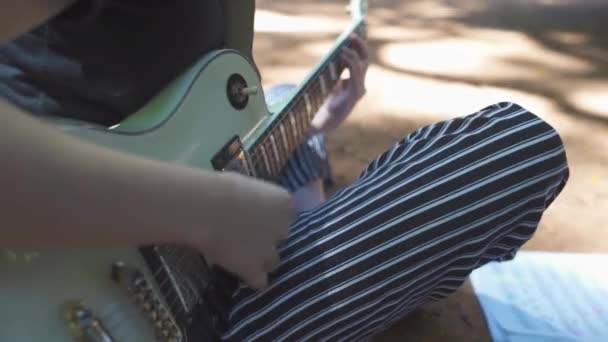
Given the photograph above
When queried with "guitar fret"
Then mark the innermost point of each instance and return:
(294, 126)
(285, 140)
(332, 71)
(258, 164)
(330, 81)
(273, 164)
(301, 119)
(323, 85)
(276, 151)
(285, 151)
(265, 158)
(280, 146)
(318, 99)
(308, 105)
(297, 113)
(253, 157)
(290, 137)
(312, 97)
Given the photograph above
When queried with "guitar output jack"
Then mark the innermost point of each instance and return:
(238, 92)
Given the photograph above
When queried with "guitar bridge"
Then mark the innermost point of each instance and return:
(137, 286)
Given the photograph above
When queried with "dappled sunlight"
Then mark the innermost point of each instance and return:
(332, 8)
(440, 10)
(391, 93)
(484, 55)
(554, 3)
(291, 63)
(281, 74)
(395, 95)
(572, 38)
(320, 48)
(591, 98)
(449, 51)
(403, 34)
(506, 60)
(270, 21)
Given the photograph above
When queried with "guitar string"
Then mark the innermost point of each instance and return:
(157, 250)
(189, 297)
(194, 294)
(186, 252)
(175, 262)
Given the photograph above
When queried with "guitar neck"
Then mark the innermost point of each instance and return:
(292, 125)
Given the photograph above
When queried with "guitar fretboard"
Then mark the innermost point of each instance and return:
(271, 151)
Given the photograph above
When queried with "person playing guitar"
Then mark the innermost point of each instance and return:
(439, 203)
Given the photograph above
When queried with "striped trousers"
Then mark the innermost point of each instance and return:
(447, 199)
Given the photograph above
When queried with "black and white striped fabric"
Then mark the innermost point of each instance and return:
(445, 200)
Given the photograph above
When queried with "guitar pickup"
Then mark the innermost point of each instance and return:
(232, 157)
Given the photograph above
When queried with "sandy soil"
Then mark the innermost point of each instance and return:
(436, 59)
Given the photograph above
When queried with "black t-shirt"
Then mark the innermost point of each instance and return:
(101, 60)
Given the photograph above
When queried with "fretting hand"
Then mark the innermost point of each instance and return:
(347, 92)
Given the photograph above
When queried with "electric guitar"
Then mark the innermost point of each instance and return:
(214, 117)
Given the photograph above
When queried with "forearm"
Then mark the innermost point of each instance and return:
(60, 191)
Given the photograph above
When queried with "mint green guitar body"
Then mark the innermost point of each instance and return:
(111, 294)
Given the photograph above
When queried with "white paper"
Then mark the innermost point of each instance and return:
(541, 296)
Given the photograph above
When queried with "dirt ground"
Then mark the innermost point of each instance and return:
(436, 59)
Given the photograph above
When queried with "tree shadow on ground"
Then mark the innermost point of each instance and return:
(574, 30)
(561, 29)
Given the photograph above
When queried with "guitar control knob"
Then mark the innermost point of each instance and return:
(248, 91)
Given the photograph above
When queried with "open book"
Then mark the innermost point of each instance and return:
(542, 296)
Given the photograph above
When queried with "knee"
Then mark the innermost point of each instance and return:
(543, 143)
(553, 141)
